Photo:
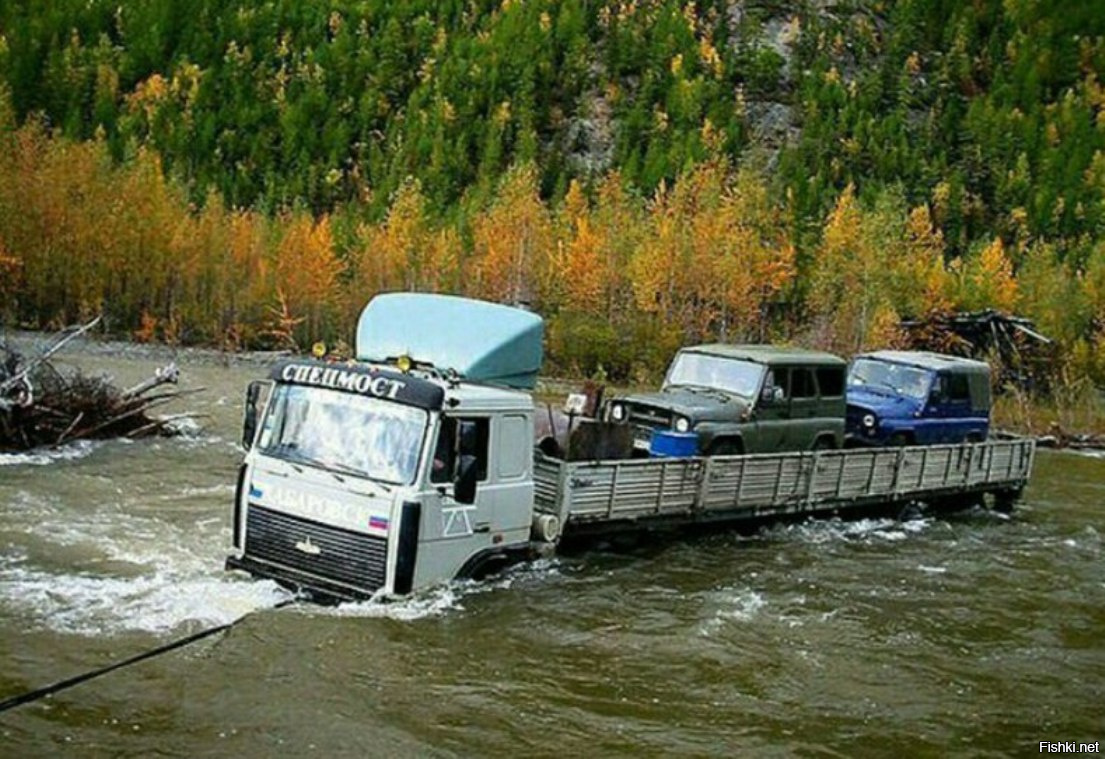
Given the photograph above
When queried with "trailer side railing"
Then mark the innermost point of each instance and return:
(775, 484)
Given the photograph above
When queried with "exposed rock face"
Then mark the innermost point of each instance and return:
(590, 137)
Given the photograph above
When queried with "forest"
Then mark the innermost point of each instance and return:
(642, 173)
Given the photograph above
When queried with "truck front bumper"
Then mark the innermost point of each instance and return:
(315, 588)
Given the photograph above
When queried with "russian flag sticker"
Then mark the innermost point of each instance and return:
(377, 523)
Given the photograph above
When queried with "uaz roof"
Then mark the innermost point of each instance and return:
(767, 354)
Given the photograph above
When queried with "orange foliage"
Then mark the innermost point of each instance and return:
(702, 259)
(513, 243)
(307, 271)
(405, 252)
(991, 283)
(582, 265)
(925, 270)
(718, 252)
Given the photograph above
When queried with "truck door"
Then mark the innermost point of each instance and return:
(457, 534)
(452, 531)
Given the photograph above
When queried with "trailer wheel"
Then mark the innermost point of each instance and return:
(910, 512)
(1006, 500)
(824, 443)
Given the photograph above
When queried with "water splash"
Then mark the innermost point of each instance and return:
(860, 530)
(94, 605)
(439, 600)
(43, 457)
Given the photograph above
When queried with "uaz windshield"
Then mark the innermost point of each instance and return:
(728, 374)
(344, 432)
(901, 379)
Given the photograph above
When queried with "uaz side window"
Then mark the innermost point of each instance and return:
(801, 384)
(958, 389)
(831, 382)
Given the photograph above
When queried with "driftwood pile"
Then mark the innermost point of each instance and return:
(43, 406)
(1021, 356)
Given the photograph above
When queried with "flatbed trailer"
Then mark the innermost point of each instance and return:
(603, 497)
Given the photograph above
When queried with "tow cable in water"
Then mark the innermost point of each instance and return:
(49, 690)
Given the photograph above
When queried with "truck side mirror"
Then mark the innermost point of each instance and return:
(252, 412)
(464, 487)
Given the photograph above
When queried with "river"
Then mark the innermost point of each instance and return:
(975, 634)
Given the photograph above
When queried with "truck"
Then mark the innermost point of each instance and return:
(415, 464)
(917, 398)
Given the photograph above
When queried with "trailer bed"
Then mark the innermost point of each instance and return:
(595, 496)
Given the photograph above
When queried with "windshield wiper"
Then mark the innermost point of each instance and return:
(706, 389)
(290, 453)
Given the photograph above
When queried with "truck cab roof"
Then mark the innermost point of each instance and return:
(771, 355)
(476, 340)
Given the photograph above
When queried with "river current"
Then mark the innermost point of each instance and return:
(975, 634)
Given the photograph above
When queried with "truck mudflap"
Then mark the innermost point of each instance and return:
(316, 588)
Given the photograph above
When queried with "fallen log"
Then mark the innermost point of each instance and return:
(43, 406)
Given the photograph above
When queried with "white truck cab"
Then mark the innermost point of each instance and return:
(394, 472)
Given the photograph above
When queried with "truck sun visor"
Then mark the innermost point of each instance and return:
(351, 378)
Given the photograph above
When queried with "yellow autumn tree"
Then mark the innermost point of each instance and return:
(754, 261)
(717, 252)
(925, 285)
(618, 218)
(246, 276)
(659, 267)
(512, 258)
(841, 283)
(986, 280)
(580, 276)
(873, 266)
(307, 271)
(391, 255)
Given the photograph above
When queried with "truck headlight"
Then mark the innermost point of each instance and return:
(617, 412)
(682, 424)
(869, 420)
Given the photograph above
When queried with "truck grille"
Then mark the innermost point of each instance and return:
(646, 416)
(335, 554)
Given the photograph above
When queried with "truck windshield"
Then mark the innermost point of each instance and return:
(728, 374)
(898, 378)
(344, 432)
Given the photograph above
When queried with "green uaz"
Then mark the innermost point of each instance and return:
(743, 399)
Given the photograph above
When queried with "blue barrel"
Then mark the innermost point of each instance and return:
(674, 444)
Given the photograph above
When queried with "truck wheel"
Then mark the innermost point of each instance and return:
(899, 440)
(1006, 500)
(726, 447)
